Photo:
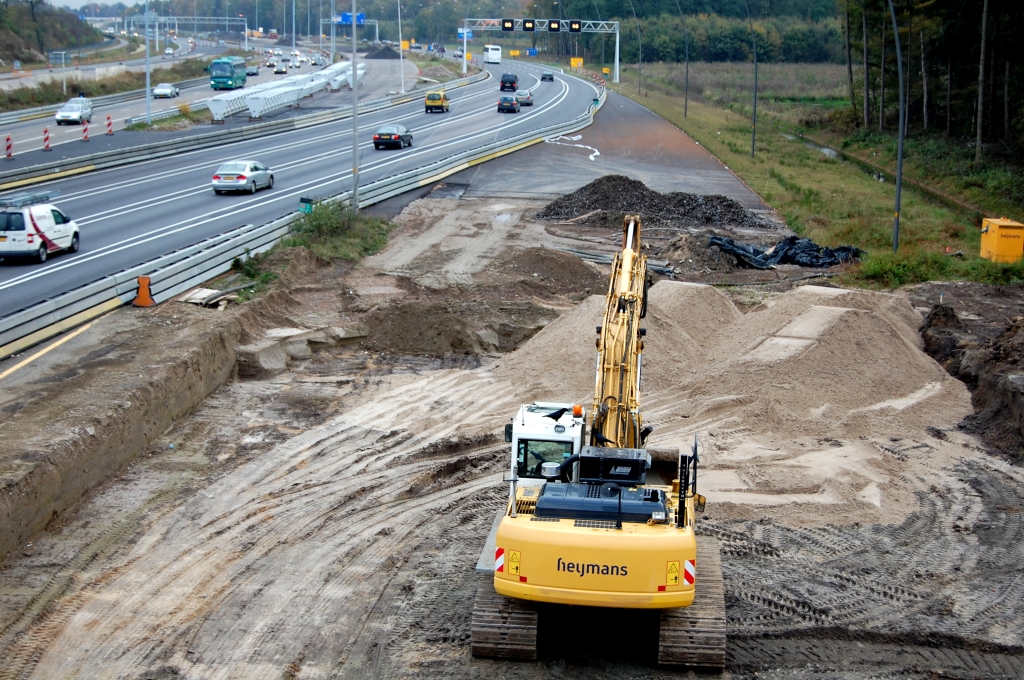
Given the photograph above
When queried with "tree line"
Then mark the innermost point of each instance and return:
(31, 28)
(963, 71)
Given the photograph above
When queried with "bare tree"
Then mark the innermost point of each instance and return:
(881, 84)
(981, 84)
(924, 85)
(949, 96)
(849, 59)
(867, 91)
(1006, 104)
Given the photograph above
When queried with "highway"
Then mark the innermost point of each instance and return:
(132, 214)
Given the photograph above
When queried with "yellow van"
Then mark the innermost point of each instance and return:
(436, 101)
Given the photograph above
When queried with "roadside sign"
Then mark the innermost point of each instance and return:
(469, 57)
(576, 62)
(306, 205)
(513, 53)
(531, 52)
(606, 70)
(405, 44)
(17, 64)
(469, 34)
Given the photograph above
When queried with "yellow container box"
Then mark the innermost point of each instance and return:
(1002, 240)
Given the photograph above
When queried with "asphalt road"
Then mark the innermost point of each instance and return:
(132, 214)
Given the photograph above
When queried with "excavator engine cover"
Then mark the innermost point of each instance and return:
(600, 502)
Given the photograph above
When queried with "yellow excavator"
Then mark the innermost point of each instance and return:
(583, 526)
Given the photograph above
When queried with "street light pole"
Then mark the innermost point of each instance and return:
(753, 40)
(355, 117)
(293, 28)
(401, 58)
(903, 129)
(149, 92)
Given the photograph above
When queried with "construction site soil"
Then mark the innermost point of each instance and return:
(325, 519)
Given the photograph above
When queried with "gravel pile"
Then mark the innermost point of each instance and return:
(625, 196)
(384, 52)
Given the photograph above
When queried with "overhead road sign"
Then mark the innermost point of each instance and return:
(508, 25)
(551, 26)
(346, 19)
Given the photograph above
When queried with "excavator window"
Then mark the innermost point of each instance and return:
(534, 452)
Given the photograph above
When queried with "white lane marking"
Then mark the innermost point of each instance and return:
(319, 140)
(305, 188)
(574, 138)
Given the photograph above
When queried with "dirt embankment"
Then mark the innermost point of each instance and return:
(977, 333)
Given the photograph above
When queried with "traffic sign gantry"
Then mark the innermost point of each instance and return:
(508, 25)
(529, 25)
(576, 26)
(554, 26)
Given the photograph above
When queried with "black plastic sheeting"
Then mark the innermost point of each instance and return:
(799, 251)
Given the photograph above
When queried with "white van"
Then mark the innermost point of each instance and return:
(75, 111)
(32, 227)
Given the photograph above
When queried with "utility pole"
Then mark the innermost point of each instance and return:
(903, 129)
(401, 58)
(149, 92)
(293, 28)
(355, 117)
(753, 40)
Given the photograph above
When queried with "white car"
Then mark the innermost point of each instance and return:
(31, 227)
(169, 51)
(165, 90)
(75, 112)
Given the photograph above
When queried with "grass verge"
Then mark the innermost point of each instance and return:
(184, 119)
(830, 201)
(331, 231)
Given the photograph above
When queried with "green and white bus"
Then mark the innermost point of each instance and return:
(227, 73)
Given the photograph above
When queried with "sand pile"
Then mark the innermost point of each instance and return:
(624, 196)
(439, 73)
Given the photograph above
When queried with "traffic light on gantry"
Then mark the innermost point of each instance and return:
(554, 26)
(575, 26)
(529, 25)
(508, 25)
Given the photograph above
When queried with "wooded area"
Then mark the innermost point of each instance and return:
(31, 28)
(963, 70)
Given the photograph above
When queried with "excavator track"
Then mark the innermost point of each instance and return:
(694, 636)
(503, 627)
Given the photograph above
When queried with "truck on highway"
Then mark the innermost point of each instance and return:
(227, 73)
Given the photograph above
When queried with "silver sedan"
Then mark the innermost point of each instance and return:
(242, 176)
(165, 90)
(525, 97)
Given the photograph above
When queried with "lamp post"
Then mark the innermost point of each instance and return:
(355, 117)
(149, 92)
(640, 53)
(753, 40)
(902, 132)
(293, 28)
(401, 58)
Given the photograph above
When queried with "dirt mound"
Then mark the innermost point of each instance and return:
(811, 360)
(542, 271)
(384, 52)
(454, 328)
(692, 252)
(438, 72)
(622, 196)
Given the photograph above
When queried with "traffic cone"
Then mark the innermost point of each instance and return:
(143, 298)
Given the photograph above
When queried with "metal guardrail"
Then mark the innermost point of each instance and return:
(42, 111)
(170, 147)
(181, 270)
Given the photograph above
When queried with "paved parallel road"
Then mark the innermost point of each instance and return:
(132, 214)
